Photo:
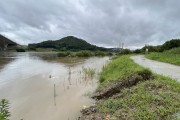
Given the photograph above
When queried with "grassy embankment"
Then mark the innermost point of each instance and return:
(146, 96)
(171, 56)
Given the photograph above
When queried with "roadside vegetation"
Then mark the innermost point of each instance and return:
(128, 91)
(170, 56)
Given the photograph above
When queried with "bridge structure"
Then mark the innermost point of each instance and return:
(6, 43)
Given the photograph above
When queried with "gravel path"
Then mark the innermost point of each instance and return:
(166, 69)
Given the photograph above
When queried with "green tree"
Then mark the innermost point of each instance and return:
(125, 52)
(171, 44)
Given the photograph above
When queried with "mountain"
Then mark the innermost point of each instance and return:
(67, 43)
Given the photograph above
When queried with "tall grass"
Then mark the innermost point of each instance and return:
(88, 73)
(171, 56)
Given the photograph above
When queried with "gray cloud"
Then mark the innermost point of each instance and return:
(101, 22)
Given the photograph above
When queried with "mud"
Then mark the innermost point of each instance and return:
(91, 113)
(118, 86)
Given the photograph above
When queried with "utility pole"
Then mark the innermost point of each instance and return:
(122, 45)
(119, 47)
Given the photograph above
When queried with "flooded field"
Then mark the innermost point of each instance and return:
(40, 86)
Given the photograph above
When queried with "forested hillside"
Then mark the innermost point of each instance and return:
(67, 43)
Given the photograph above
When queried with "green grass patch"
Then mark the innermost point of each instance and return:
(171, 56)
(155, 99)
(118, 69)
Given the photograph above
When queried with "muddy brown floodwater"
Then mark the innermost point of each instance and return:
(40, 86)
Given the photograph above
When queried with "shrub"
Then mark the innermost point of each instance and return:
(110, 54)
(4, 109)
(125, 52)
(32, 48)
(99, 53)
(137, 51)
(84, 54)
(20, 50)
(151, 49)
(63, 54)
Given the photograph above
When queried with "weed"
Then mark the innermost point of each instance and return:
(88, 73)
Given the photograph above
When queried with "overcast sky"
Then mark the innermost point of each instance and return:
(102, 22)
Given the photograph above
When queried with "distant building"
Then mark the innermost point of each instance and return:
(6, 43)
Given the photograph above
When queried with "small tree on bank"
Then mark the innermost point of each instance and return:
(4, 109)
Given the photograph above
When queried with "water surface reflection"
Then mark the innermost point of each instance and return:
(41, 86)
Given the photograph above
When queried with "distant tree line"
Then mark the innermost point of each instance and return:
(160, 48)
(71, 43)
(83, 53)
(174, 43)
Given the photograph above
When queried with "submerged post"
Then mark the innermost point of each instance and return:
(54, 95)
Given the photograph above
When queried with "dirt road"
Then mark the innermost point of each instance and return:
(166, 69)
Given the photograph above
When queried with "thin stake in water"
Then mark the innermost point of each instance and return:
(54, 95)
